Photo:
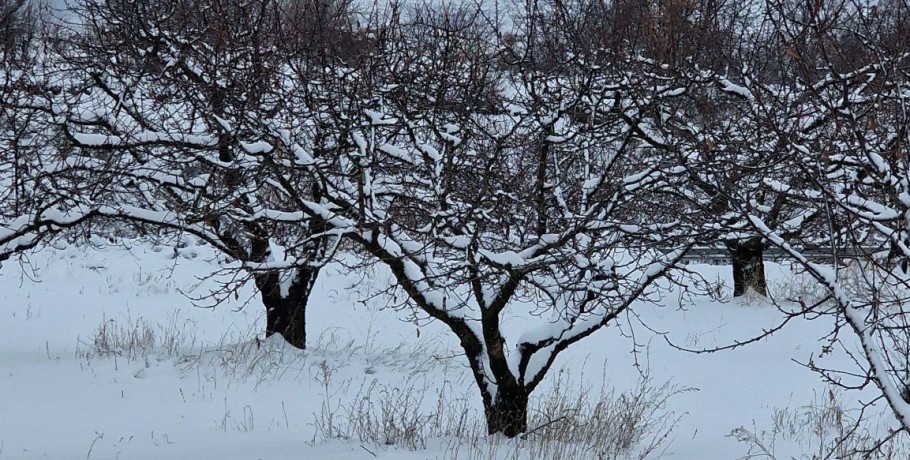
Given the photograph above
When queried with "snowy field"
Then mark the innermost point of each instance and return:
(103, 355)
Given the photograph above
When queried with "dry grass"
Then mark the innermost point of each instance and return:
(137, 339)
(578, 423)
(822, 429)
(413, 410)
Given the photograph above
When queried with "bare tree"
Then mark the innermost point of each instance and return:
(484, 210)
(179, 82)
(691, 45)
(486, 190)
(835, 114)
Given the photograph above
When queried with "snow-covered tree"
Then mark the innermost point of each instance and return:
(176, 83)
(541, 202)
(844, 133)
(691, 45)
(25, 130)
(492, 174)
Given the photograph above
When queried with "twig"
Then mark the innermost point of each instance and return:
(535, 430)
(368, 450)
(100, 436)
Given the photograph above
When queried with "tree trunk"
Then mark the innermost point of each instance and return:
(286, 314)
(748, 266)
(508, 413)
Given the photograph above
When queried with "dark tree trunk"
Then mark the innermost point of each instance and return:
(286, 315)
(748, 266)
(508, 413)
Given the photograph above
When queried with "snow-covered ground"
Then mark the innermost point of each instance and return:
(72, 386)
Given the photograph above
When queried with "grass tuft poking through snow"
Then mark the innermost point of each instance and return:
(824, 428)
(565, 422)
(152, 376)
(136, 339)
(413, 413)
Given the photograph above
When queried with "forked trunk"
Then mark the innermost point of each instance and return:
(508, 413)
(286, 312)
(287, 316)
(748, 266)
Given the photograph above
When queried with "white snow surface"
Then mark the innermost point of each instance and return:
(59, 400)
